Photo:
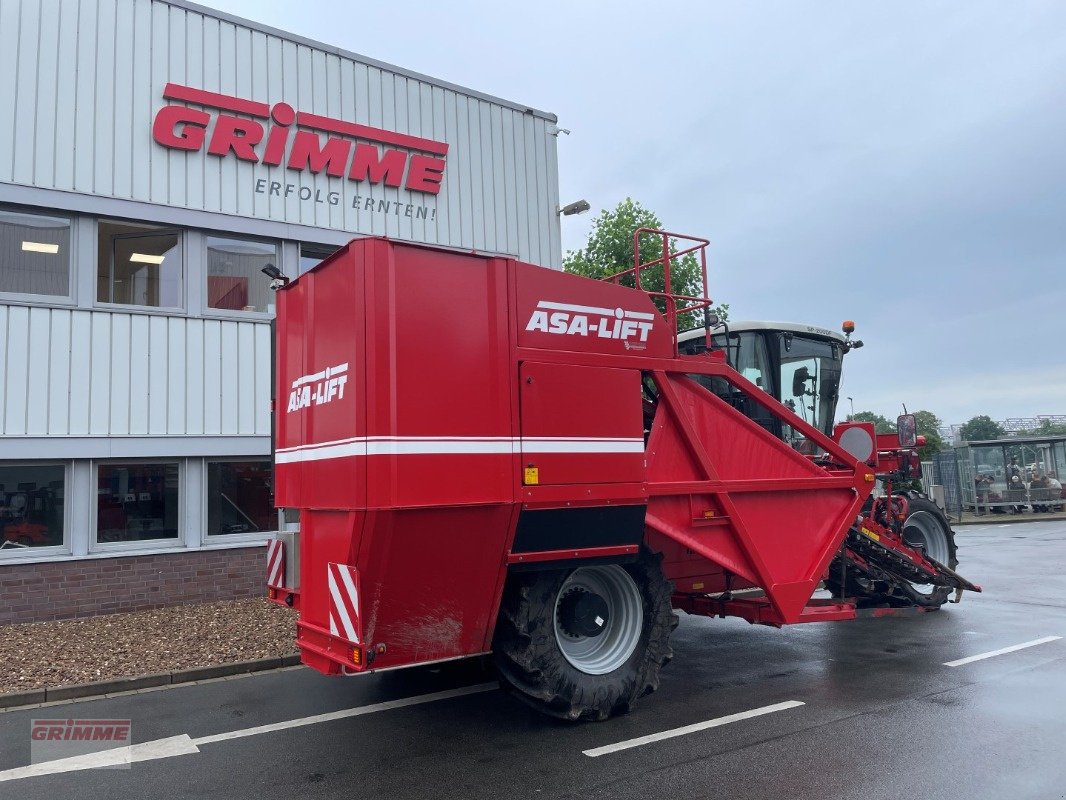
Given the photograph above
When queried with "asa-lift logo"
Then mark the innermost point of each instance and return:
(605, 323)
(318, 388)
(278, 134)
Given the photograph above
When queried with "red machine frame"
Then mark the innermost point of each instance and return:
(446, 418)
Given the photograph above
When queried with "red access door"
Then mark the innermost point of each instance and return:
(581, 424)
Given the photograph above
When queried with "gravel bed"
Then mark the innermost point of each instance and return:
(47, 654)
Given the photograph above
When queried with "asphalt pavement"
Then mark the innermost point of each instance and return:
(863, 709)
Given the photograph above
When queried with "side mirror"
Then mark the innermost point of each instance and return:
(907, 428)
(799, 382)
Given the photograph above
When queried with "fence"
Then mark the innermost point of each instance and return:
(947, 473)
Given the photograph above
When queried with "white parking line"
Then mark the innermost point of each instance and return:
(184, 745)
(992, 653)
(699, 726)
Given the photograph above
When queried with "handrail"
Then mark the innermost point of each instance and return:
(671, 299)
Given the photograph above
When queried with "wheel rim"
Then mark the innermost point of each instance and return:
(608, 588)
(923, 529)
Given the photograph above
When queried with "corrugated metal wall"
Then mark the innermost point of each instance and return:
(85, 78)
(66, 372)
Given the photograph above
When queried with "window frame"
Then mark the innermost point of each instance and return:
(149, 228)
(312, 245)
(213, 539)
(67, 299)
(14, 554)
(96, 546)
(209, 312)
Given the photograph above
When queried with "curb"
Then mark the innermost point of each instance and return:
(1010, 519)
(176, 678)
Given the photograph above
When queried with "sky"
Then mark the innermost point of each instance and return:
(900, 164)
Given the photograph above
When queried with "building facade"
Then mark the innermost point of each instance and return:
(158, 156)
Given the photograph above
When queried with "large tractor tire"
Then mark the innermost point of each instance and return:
(585, 643)
(928, 529)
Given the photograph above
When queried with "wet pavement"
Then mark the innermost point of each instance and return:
(862, 709)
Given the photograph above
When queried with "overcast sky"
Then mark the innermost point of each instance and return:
(901, 164)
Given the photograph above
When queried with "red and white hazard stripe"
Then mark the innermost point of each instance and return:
(344, 602)
(275, 563)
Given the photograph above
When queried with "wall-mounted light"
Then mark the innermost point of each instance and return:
(577, 207)
(277, 279)
(144, 258)
(40, 247)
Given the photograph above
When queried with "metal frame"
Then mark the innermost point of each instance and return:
(150, 229)
(70, 298)
(19, 554)
(98, 547)
(206, 311)
(670, 298)
(207, 538)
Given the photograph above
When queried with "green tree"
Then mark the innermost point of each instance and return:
(1048, 428)
(928, 425)
(981, 428)
(881, 424)
(610, 250)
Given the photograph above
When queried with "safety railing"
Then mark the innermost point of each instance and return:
(675, 304)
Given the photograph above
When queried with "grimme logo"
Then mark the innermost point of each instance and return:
(318, 388)
(604, 323)
(52, 739)
(75, 730)
(386, 157)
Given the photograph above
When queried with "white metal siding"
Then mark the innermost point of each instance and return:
(65, 372)
(85, 78)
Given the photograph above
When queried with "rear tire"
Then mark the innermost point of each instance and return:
(550, 654)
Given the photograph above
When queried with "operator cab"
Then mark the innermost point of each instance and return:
(799, 365)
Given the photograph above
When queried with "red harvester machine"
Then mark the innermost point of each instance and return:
(493, 457)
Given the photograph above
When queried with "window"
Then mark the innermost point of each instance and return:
(136, 502)
(810, 379)
(31, 506)
(234, 278)
(311, 255)
(240, 497)
(139, 265)
(34, 253)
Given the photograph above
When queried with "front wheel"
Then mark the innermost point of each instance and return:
(585, 643)
(927, 529)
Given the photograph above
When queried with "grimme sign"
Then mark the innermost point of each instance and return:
(360, 153)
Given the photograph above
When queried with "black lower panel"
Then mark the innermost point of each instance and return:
(574, 528)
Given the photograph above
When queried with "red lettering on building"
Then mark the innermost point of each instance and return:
(236, 135)
(308, 152)
(318, 144)
(425, 173)
(367, 166)
(192, 131)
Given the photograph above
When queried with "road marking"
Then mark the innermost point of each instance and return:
(969, 659)
(116, 757)
(185, 745)
(595, 752)
(388, 705)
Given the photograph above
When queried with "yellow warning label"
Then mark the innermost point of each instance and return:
(532, 477)
(871, 534)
